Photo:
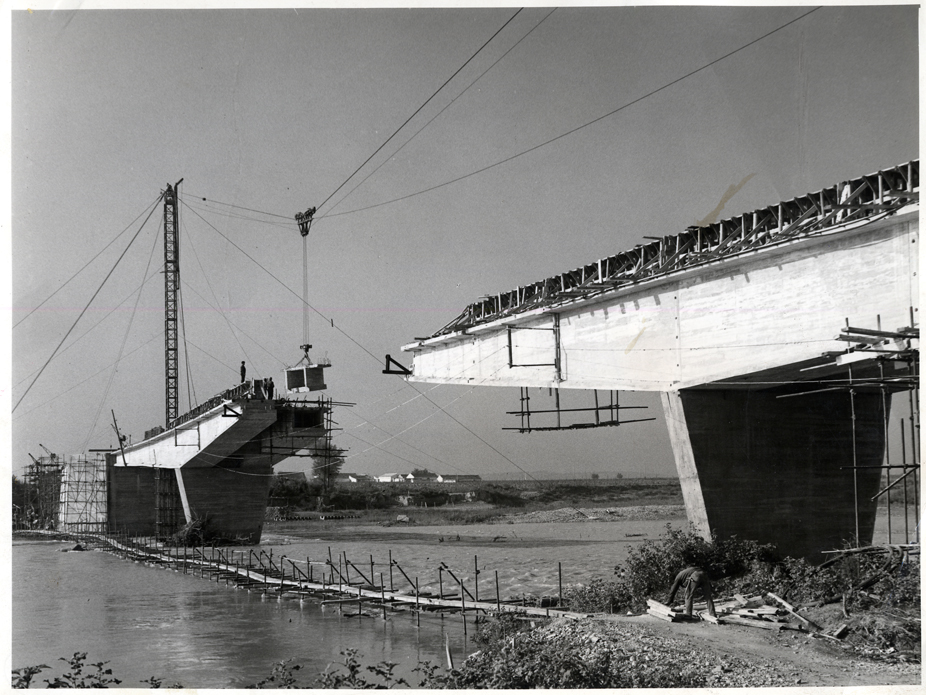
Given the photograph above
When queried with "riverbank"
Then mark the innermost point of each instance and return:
(516, 554)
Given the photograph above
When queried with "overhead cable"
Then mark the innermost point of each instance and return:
(105, 316)
(420, 107)
(438, 114)
(42, 303)
(125, 337)
(58, 347)
(355, 342)
(576, 129)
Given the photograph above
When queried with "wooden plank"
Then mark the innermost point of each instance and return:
(788, 607)
(748, 622)
(659, 607)
(746, 600)
(661, 616)
(707, 617)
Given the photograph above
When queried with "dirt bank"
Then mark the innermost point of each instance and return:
(734, 656)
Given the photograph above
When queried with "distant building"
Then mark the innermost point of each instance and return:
(422, 477)
(458, 478)
(352, 478)
(391, 478)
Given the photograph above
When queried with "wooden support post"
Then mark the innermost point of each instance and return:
(462, 604)
(498, 596)
(309, 565)
(417, 605)
(476, 563)
(391, 585)
(560, 568)
(372, 578)
(382, 593)
(440, 581)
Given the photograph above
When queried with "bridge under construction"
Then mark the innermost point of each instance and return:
(777, 339)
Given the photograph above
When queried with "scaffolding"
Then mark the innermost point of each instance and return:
(605, 412)
(42, 481)
(168, 511)
(895, 370)
(82, 506)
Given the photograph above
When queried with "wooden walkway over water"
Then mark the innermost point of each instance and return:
(327, 581)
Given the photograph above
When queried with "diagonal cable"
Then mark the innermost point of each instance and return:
(438, 114)
(42, 303)
(125, 337)
(84, 311)
(420, 107)
(578, 128)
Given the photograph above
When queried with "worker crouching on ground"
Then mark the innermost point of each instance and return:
(693, 578)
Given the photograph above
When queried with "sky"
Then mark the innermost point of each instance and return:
(264, 113)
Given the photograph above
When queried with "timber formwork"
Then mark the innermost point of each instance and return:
(864, 198)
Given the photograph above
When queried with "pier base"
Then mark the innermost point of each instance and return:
(777, 470)
(231, 501)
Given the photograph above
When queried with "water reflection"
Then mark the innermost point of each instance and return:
(151, 622)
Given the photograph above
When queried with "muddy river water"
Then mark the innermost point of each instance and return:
(177, 627)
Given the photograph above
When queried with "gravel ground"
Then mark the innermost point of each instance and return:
(729, 656)
(646, 646)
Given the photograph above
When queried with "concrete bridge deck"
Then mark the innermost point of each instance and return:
(776, 338)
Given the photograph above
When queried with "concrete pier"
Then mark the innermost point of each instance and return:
(758, 466)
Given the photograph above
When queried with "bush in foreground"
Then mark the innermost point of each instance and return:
(748, 567)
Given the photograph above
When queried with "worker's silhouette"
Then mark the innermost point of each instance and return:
(692, 578)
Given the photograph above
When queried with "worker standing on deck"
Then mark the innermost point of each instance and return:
(692, 578)
(244, 371)
(270, 389)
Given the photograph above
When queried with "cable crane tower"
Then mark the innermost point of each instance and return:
(171, 293)
(306, 375)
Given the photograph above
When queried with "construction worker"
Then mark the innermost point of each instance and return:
(270, 389)
(692, 578)
(244, 371)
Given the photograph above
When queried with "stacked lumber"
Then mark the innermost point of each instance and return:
(664, 612)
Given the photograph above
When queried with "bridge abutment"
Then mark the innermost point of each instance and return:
(776, 470)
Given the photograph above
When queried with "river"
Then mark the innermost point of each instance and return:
(181, 628)
(151, 622)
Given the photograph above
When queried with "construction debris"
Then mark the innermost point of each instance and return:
(793, 611)
(664, 612)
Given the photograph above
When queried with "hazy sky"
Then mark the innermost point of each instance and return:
(272, 110)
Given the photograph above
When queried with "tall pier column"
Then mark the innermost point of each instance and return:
(764, 468)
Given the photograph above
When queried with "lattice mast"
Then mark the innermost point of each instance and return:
(171, 304)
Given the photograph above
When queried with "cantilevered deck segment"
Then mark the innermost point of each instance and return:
(776, 338)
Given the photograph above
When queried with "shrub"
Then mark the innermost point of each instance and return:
(353, 678)
(651, 568)
(535, 660)
(500, 496)
(73, 678)
(501, 627)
